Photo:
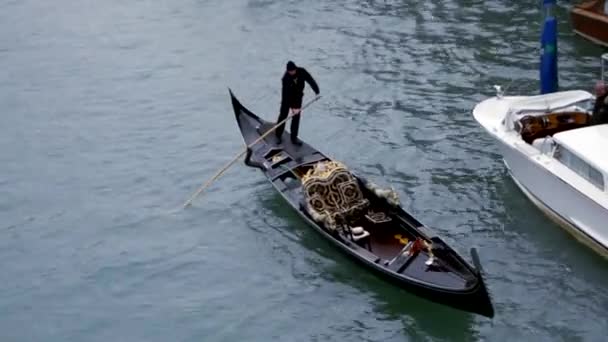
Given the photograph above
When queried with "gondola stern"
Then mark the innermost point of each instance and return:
(236, 105)
(240, 110)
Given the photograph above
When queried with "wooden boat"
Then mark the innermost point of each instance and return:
(590, 20)
(364, 220)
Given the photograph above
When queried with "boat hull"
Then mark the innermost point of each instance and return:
(413, 274)
(550, 185)
(476, 300)
(561, 202)
(589, 21)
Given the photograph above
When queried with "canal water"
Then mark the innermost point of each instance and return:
(115, 112)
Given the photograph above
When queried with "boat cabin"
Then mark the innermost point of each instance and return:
(561, 127)
(583, 151)
(580, 150)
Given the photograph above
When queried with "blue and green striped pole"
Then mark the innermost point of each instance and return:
(548, 42)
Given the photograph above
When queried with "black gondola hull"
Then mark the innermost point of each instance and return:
(473, 298)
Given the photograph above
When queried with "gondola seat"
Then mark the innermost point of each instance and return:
(333, 196)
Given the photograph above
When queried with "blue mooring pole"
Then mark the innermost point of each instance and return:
(548, 43)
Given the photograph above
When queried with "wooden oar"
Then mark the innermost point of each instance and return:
(222, 170)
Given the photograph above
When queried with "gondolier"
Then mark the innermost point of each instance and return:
(291, 98)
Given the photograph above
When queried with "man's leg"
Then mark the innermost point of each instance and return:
(282, 116)
(295, 121)
(295, 126)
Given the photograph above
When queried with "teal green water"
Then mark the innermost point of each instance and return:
(114, 112)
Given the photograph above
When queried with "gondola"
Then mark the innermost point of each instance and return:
(363, 220)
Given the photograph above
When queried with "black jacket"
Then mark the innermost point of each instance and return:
(600, 110)
(293, 87)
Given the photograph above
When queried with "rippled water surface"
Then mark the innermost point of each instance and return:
(114, 112)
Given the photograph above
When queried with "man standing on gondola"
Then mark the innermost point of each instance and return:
(291, 98)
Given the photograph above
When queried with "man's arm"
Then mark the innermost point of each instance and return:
(311, 81)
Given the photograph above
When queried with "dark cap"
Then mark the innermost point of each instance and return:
(291, 66)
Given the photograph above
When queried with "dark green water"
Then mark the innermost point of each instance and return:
(114, 112)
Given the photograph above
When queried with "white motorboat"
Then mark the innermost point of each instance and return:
(555, 156)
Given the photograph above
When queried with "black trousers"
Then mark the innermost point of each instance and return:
(295, 121)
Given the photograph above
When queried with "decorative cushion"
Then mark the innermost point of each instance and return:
(331, 190)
